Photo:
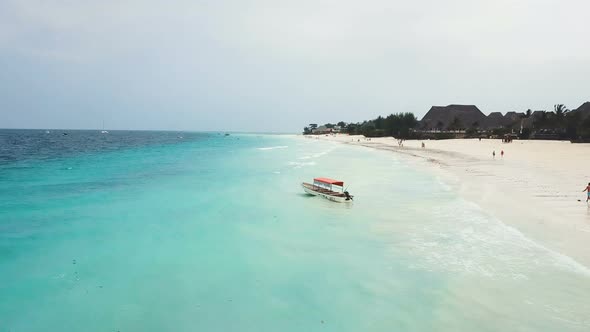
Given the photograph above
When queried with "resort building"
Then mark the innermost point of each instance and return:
(452, 117)
(321, 130)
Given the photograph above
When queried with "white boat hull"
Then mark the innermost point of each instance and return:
(338, 199)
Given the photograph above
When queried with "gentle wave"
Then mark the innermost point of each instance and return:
(298, 164)
(467, 241)
(273, 147)
(316, 155)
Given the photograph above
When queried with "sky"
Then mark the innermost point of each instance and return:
(275, 66)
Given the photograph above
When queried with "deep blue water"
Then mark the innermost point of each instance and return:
(32, 145)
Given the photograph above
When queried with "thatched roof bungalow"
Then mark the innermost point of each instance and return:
(583, 111)
(511, 117)
(493, 121)
(441, 117)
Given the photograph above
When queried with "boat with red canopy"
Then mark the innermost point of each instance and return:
(328, 188)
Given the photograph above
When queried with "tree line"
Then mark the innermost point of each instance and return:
(399, 125)
(561, 123)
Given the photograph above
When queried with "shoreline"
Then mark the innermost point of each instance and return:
(535, 187)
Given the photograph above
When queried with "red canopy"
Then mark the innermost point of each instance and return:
(329, 181)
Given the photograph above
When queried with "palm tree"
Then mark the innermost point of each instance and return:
(560, 110)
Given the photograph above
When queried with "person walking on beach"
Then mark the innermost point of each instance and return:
(494, 154)
(588, 190)
(502, 153)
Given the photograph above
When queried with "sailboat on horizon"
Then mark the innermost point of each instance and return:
(103, 131)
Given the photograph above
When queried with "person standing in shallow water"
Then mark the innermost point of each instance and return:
(588, 194)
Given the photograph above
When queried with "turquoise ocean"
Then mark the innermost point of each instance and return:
(163, 231)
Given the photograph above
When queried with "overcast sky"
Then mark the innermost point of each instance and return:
(272, 65)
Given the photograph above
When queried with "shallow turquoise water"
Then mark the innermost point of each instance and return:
(214, 233)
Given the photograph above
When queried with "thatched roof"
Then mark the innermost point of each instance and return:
(512, 118)
(537, 114)
(583, 110)
(466, 114)
(513, 115)
(494, 120)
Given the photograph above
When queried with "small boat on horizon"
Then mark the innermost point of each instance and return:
(324, 187)
(103, 131)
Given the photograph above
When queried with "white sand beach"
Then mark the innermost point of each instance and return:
(536, 187)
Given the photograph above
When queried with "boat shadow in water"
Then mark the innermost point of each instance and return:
(326, 203)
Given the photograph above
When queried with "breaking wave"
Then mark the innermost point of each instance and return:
(465, 240)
